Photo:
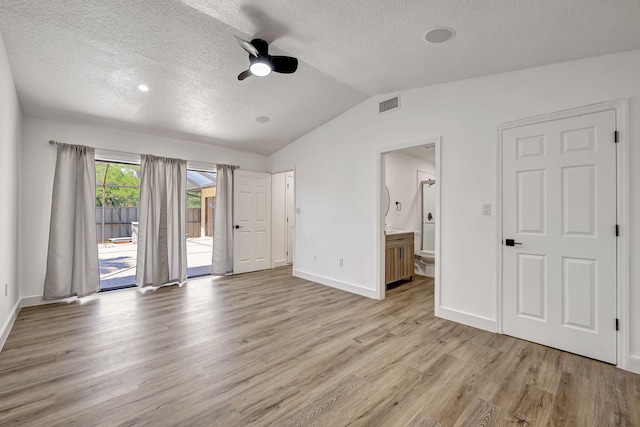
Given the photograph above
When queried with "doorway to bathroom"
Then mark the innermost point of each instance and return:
(409, 213)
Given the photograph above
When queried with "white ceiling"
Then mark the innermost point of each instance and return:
(427, 153)
(83, 59)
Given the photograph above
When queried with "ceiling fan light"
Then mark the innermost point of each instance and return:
(260, 69)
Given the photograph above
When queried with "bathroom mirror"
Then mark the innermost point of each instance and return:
(386, 201)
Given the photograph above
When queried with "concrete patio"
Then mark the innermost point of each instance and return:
(118, 261)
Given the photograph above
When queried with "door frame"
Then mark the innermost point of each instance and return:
(291, 225)
(621, 108)
(380, 236)
(295, 214)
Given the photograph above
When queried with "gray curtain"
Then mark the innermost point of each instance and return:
(162, 230)
(72, 259)
(222, 262)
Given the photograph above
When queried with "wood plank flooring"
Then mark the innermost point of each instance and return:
(268, 349)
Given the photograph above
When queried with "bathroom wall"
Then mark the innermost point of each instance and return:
(401, 175)
(428, 217)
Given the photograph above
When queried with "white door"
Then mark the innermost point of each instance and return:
(559, 208)
(290, 216)
(251, 221)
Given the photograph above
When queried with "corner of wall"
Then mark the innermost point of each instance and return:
(10, 170)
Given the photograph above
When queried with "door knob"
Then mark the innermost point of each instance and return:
(237, 226)
(511, 242)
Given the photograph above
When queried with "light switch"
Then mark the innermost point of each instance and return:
(298, 210)
(486, 209)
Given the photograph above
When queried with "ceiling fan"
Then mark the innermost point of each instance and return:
(262, 64)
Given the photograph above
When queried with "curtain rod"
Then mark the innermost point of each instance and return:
(52, 142)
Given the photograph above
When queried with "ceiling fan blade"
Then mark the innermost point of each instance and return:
(243, 75)
(251, 49)
(261, 46)
(284, 64)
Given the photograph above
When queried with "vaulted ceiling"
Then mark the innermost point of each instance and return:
(84, 59)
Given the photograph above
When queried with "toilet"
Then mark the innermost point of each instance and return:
(424, 260)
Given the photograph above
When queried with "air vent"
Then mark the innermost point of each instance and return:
(390, 104)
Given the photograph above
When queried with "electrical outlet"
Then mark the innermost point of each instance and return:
(298, 210)
(340, 262)
(315, 257)
(486, 209)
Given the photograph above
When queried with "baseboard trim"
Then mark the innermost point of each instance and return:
(343, 286)
(33, 301)
(280, 263)
(633, 364)
(467, 319)
(38, 300)
(8, 324)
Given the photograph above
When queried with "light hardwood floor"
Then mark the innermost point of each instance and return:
(269, 349)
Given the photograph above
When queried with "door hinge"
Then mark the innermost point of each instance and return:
(617, 230)
(616, 136)
(617, 324)
(287, 253)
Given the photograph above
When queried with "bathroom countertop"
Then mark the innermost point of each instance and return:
(390, 232)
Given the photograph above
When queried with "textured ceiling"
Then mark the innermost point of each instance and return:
(83, 59)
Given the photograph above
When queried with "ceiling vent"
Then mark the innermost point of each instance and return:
(390, 104)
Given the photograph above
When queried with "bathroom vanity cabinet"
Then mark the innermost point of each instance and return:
(399, 257)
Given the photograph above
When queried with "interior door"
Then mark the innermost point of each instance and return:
(290, 216)
(251, 221)
(559, 214)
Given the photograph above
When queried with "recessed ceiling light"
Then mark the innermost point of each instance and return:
(143, 88)
(262, 119)
(439, 35)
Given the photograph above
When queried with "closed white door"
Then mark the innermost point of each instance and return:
(251, 221)
(559, 212)
(290, 216)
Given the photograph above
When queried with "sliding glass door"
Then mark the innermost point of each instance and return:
(117, 214)
(201, 191)
(117, 210)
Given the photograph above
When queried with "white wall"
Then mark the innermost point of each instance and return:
(39, 158)
(401, 178)
(10, 122)
(336, 177)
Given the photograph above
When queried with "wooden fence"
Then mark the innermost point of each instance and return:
(193, 222)
(118, 219)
